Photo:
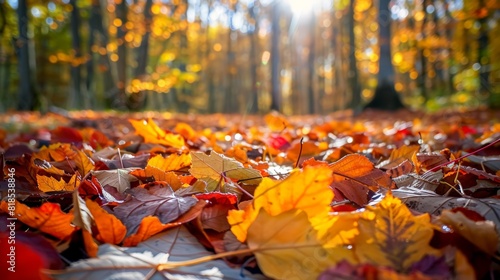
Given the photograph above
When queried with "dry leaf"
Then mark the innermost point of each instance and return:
(217, 167)
(286, 246)
(389, 235)
(307, 190)
(51, 184)
(47, 218)
(152, 133)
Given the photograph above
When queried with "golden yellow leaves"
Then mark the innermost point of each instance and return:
(307, 190)
(152, 133)
(289, 227)
(390, 236)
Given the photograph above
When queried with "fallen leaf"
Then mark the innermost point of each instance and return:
(118, 178)
(218, 167)
(158, 201)
(152, 133)
(286, 246)
(480, 233)
(51, 184)
(389, 235)
(47, 218)
(108, 228)
(307, 190)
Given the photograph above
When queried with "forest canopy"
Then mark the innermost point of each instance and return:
(247, 56)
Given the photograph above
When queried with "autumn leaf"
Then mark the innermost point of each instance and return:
(156, 201)
(152, 225)
(109, 229)
(217, 167)
(389, 235)
(286, 246)
(480, 233)
(399, 155)
(306, 189)
(47, 218)
(51, 184)
(118, 178)
(152, 133)
(354, 175)
(276, 122)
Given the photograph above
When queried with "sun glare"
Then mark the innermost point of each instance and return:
(300, 6)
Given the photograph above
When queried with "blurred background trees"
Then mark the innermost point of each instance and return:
(247, 56)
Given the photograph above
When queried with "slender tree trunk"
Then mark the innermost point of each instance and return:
(137, 100)
(275, 58)
(386, 97)
(77, 100)
(231, 106)
(26, 98)
(121, 97)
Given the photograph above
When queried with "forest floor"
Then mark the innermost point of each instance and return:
(381, 194)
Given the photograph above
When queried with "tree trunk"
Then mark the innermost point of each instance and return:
(137, 100)
(386, 97)
(77, 100)
(121, 97)
(26, 98)
(275, 58)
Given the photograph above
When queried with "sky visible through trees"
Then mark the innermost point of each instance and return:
(247, 56)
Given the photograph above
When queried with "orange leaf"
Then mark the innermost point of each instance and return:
(152, 133)
(47, 218)
(50, 184)
(109, 228)
(276, 122)
(354, 174)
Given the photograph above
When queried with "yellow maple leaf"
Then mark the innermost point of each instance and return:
(286, 246)
(51, 184)
(152, 133)
(306, 189)
(389, 235)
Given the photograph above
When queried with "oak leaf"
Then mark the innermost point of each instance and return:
(152, 133)
(389, 235)
(51, 184)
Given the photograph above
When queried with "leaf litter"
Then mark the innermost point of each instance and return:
(380, 196)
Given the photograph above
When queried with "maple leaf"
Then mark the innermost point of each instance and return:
(286, 246)
(47, 218)
(152, 225)
(307, 190)
(50, 184)
(389, 235)
(156, 201)
(152, 133)
(217, 167)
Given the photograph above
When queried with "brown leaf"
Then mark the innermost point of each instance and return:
(157, 201)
